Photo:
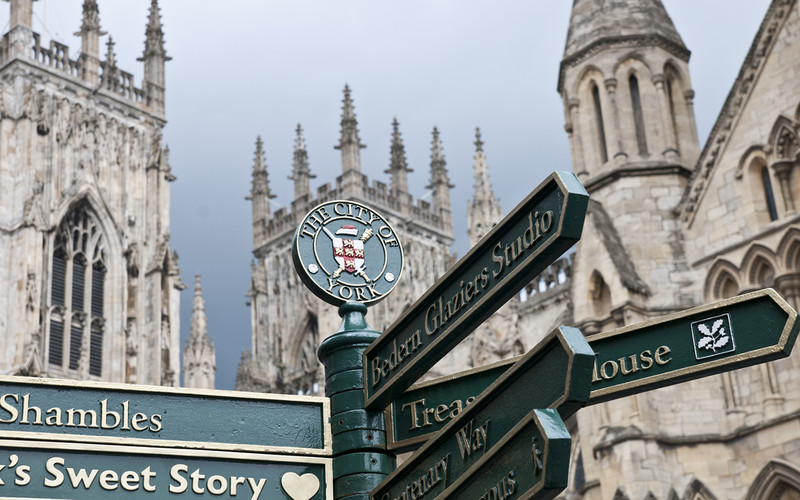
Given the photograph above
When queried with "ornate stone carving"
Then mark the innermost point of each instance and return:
(132, 260)
(31, 293)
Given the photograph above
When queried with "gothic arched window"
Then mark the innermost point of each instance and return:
(638, 115)
(726, 286)
(673, 111)
(601, 131)
(769, 194)
(77, 290)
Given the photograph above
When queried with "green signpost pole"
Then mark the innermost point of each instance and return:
(348, 255)
(360, 459)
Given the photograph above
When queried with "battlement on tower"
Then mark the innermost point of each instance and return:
(285, 220)
(393, 199)
(85, 67)
(56, 57)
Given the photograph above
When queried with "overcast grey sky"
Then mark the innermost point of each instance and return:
(243, 68)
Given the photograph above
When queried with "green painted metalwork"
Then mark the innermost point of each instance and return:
(560, 370)
(360, 459)
(530, 462)
(722, 336)
(425, 408)
(538, 231)
(33, 408)
(764, 327)
(89, 472)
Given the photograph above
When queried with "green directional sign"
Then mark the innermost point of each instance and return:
(752, 328)
(77, 471)
(93, 412)
(733, 333)
(538, 231)
(559, 368)
(530, 462)
(427, 407)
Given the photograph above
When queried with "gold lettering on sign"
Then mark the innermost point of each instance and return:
(382, 368)
(445, 308)
(419, 413)
(505, 254)
(503, 489)
(627, 365)
(471, 440)
(424, 484)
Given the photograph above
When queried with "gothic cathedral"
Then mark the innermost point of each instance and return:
(89, 286)
(287, 320)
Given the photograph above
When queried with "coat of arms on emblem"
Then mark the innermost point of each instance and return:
(349, 253)
(345, 251)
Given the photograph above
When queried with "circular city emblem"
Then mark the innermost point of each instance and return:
(345, 251)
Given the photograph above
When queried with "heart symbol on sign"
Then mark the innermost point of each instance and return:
(300, 487)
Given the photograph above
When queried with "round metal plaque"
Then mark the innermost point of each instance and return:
(347, 252)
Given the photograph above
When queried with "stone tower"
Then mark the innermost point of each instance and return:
(624, 81)
(88, 283)
(627, 96)
(664, 225)
(199, 358)
(288, 322)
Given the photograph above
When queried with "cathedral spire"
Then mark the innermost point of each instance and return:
(260, 193)
(111, 57)
(349, 143)
(301, 173)
(90, 34)
(398, 167)
(440, 182)
(199, 326)
(154, 57)
(154, 34)
(91, 16)
(110, 77)
(198, 353)
(483, 211)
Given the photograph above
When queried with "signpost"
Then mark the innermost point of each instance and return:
(755, 327)
(723, 336)
(349, 256)
(559, 367)
(94, 412)
(538, 231)
(497, 431)
(92, 440)
(426, 407)
(35, 469)
(530, 462)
